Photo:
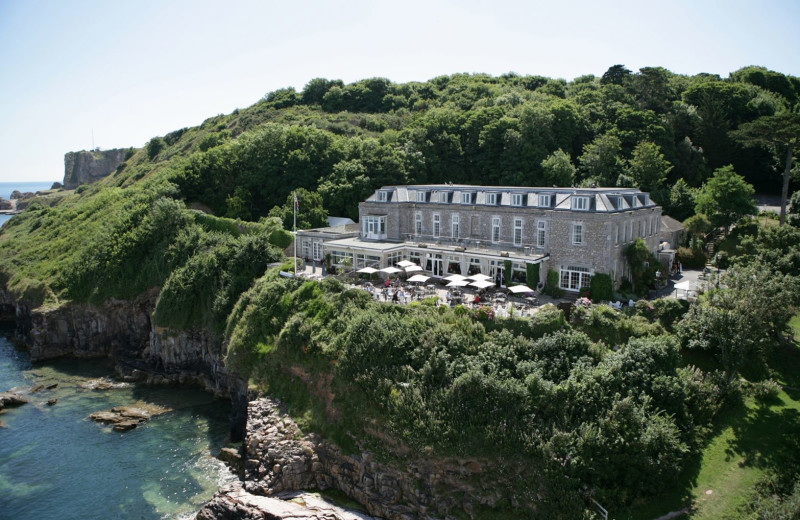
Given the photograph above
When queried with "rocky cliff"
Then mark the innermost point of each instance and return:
(87, 167)
(281, 460)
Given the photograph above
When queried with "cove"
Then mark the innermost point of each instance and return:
(56, 463)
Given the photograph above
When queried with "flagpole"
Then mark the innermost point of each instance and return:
(294, 228)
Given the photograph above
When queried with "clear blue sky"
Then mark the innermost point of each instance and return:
(128, 71)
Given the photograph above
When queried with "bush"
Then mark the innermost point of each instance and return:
(765, 391)
(551, 287)
(154, 147)
(601, 287)
(691, 258)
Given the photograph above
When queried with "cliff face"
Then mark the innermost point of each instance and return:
(281, 460)
(87, 167)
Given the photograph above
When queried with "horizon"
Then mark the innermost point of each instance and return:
(98, 75)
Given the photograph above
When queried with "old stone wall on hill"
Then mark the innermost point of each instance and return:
(87, 167)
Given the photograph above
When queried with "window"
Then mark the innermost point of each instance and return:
(418, 224)
(437, 225)
(495, 230)
(393, 258)
(580, 203)
(374, 227)
(516, 199)
(317, 247)
(306, 248)
(517, 232)
(577, 233)
(420, 196)
(383, 196)
(454, 226)
(474, 266)
(544, 200)
(575, 278)
(466, 198)
(491, 199)
(541, 233)
(616, 233)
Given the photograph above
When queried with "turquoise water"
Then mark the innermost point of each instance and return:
(55, 463)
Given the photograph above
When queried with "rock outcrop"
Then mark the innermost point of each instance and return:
(87, 167)
(124, 418)
(280, 460)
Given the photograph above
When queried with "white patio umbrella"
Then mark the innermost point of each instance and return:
(458, 283)
(455, 278)
(391, 270)
(519, 289)
(479, 276)
(367, 270)
(405, 263)
(419, 278)
(482, 284)
(413, 268)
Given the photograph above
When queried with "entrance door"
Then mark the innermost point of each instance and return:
(438, 266)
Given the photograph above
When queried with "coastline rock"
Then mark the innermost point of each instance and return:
(11, 399)
(57, 186)
(125, 418)
(6, 205)
(233, 459)
(18, 195)
(233, 502)
(51, 402)
(87, 167)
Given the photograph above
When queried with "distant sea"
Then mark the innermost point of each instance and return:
(7, 188)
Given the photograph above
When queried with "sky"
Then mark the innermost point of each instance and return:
(78, 74)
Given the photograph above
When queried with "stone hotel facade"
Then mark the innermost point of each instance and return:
(481, 229)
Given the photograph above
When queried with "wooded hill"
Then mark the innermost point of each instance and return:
(607, 404)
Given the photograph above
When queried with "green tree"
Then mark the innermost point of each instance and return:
(154, 147)
(600, 162)
(776, 131)
(681, 201)
(616, 74)
(649, 170)
(310, 213)
(725, 198)
(558, 170)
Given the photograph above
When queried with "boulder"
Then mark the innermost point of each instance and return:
(10, 399)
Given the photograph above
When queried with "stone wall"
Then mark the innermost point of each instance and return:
(87, 167)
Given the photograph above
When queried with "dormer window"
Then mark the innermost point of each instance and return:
(491, 199)
(466, 198)
(516, 199)
(383, 196)
(420, 196)
(544, 200)
(580, 203)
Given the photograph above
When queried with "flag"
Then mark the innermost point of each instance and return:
(296, 202)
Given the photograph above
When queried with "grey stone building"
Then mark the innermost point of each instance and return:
(481, 229)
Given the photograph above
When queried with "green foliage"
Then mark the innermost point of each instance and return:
(558, 170)
(649, 169)
(643, 265)
(155, 146)
(532, 275)
(725, 198)
(602, 287)
(310, 212)
(691, 258)
(551, 287)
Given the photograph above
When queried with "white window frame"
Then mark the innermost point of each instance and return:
(572, 278)
(517, 232)
(437, 225)
(466, 198)
(544, 200)
(455, 224)
(496, 226)
(418, 223)
(383, 196)
(420, 196)
(580, 203)
(516, 199)
(541, 233)
(577, 234)
(491, 199)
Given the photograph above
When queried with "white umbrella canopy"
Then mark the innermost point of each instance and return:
(479, 276)
(455, 278)
(482, 284)
(419, 278)
(519, 289)
(367, 270)
(391, 270)
(413, 268)
(684, 286)
(458, 283)
(405, 263)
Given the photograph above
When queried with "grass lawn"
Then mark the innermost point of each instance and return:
(748, 440)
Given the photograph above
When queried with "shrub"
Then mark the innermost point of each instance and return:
(691, 258)
(154, 147)
(601, 287)
(551, 287)
(765, 391)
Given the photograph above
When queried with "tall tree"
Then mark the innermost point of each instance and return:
(600, 161)
(776, 131)
(725, 198)
(558, 170)
(649, 170)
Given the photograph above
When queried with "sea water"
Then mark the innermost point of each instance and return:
(56, 463)
(7, 188)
